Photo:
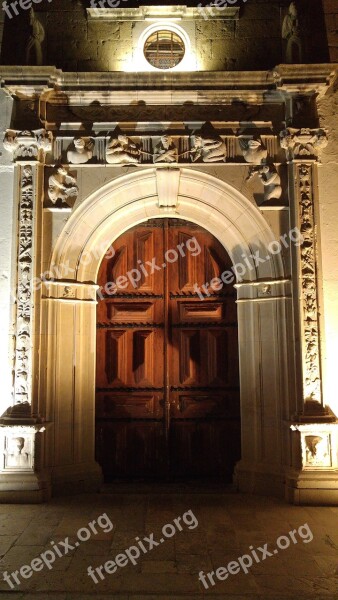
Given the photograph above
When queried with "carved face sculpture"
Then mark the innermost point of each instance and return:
(62, 171)
(80, 144)
(254, 144)
(198, 141)
(123, 139)
(166, 141)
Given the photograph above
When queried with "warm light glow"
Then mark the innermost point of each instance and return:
(138, 62)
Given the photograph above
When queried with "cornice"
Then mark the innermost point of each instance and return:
(149, 13)
(35, 81)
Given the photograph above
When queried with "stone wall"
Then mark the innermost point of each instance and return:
(331, 19)
(75, 43)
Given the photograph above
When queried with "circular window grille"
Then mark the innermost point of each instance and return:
(164, 49)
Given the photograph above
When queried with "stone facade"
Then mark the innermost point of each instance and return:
(251, 42)
(98, 143)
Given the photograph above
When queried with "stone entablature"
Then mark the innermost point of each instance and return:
(206, 145)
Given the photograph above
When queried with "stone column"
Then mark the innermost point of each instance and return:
(22, 477)
(68, 344)
(266, 383)
(311, 476)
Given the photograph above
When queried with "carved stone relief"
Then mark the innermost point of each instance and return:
(18, 453)
(165, 151)
(62, 189)
(80, 151)
(206, 145)
(270, 180)
(122, 150)
(317, 451)
(27, 145)
(311, 352)
(254, 152)
(298, 143)
(22, 368)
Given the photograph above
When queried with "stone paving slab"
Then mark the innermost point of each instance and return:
(228, 525)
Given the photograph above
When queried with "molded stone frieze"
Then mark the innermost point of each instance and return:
(206, 145)
(80, 151)
(28, 145)
(62, 189)
(303, 142)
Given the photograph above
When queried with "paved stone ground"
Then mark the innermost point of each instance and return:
(228, 524)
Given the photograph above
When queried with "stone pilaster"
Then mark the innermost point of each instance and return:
(312, 476)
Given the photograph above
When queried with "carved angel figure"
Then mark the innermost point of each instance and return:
(208, 149)
(270, 180)
(291, 33)
(35, 40)
(81, 151)
(62, 186)
(122, 150)
(253, 150)
(165, 151)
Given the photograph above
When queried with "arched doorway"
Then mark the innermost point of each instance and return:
(69, 315)
(167, 378)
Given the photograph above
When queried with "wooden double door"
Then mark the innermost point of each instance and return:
(167, 397)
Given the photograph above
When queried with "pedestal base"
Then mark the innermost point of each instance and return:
(312, 488)
(25, 488)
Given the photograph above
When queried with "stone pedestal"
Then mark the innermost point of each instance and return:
(22, 480)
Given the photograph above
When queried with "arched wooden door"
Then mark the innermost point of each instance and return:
(167, 397)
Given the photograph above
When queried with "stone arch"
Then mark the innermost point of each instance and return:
(131, 199)
(68, 332)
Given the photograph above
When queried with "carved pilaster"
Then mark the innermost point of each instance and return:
(24, 291)
(312, 387)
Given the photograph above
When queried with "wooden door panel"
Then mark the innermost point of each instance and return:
(202, 449)
(127, 358)
(129, 405)
(172, 413)
(203, 404)
(130, 449)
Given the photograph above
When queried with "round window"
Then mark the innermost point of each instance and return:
(164, 49)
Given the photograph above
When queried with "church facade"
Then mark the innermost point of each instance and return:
(169, 247)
